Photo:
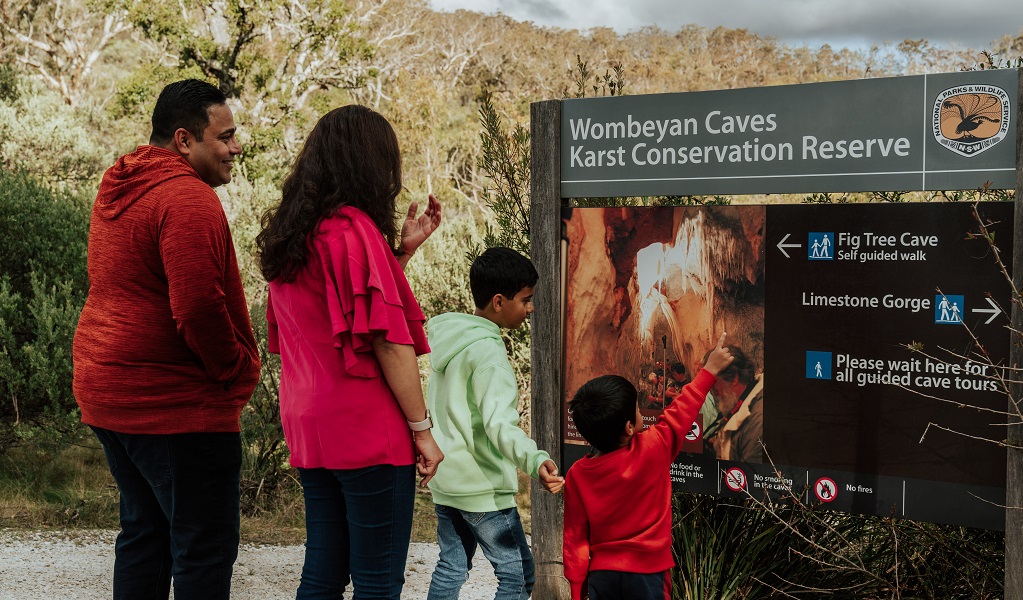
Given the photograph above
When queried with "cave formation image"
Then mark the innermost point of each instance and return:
(649, 288)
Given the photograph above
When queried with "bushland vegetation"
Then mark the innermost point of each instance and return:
(77, 83)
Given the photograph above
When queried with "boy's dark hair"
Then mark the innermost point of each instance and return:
(500, 271)
(601, 408)
(183, 105)
(741, 367)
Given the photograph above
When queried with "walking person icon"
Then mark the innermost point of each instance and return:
(820, 372)
(944, 308)
(956, 317)
(819, 245)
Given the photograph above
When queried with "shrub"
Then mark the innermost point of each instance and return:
(267, 480)
(730, 550)
(43, 237)
(42, 135)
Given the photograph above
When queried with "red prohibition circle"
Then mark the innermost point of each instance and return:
(735, 479)
(825, 489)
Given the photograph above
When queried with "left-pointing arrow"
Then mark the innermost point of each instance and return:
(995, 310)
(782, 245)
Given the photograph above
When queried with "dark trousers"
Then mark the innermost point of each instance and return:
(358, 526)
(179, 513)
(622, 585)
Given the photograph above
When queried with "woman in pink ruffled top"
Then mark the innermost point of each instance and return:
(348, 330)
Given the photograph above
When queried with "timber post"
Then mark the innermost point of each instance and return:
(1014, 437)
(545, 346)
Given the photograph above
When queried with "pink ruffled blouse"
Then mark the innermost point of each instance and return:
(336, 407)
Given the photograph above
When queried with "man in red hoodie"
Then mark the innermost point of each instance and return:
(164, 356)
(617, 540)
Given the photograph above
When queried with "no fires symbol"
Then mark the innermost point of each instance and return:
(826, 489)
(735, 479)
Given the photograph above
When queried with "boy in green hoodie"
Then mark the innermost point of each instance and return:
(473, 397)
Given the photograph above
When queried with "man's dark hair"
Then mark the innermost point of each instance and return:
(184, 105)
(601, 408)
(741, 367)
(500, 271)
(677, 367)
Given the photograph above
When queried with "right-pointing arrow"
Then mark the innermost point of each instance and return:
(994, 310)
(782, 245)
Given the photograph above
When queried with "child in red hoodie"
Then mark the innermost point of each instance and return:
(618, 499)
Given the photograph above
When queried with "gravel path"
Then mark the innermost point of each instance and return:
(47, 565)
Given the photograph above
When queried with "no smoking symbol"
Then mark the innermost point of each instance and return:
(826, 489)
(735, 479)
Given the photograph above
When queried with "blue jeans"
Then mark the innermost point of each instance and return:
(358, 526)
(179, 513)
(500, 535)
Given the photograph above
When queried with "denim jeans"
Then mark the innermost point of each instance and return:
(358, 526)
(500, 535)
(179, 513)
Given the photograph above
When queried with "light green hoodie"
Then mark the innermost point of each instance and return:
(473, 398)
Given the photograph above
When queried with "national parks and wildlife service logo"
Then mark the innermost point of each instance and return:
(969, 119)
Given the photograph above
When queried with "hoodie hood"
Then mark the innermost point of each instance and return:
(450, 333)
(136, 174)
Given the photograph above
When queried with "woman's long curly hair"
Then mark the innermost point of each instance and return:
(350, 158)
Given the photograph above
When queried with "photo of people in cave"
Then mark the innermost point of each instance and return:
(648, 290)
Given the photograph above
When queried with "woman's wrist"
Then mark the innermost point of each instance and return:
(422, 425)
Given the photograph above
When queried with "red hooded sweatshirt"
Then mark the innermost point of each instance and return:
(164, 344)
(618, 505)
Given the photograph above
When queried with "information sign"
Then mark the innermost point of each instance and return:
(949, 131)
(860, 327)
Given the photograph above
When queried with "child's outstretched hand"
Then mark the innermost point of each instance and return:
(549, 477)
(719, 358)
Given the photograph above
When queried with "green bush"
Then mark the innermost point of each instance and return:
(43, 237)
(732, 550)
(42, 135)
(267, 479)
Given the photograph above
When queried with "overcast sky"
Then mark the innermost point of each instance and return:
(845, 23)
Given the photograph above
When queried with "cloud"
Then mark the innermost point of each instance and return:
(953, 23)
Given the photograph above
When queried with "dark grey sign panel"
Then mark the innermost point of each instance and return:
(927, 132)
(849, 286)
(823, 301)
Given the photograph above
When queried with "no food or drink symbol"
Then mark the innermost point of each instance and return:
(825, 489)
(694, 432)
(735, 479)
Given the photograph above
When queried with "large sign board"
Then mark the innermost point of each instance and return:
(948, 131)
(861, 325)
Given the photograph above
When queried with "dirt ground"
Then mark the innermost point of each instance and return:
(47, 565)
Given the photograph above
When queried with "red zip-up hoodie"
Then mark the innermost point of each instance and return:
(164, 344)
(618, 505)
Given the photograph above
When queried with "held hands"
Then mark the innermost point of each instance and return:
(428, 455)
(719, 358)
(415, 231)
(549, 477)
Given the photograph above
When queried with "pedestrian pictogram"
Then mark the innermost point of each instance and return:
(735, 479)
(820, 246)
(826, 489)
(948, 309)
(818, 365)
